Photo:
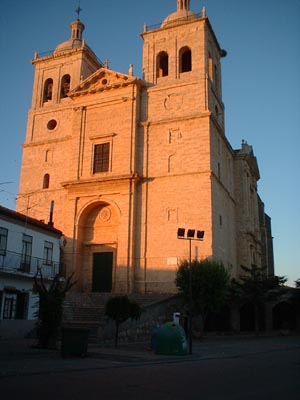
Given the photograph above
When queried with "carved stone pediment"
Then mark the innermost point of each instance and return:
(103, 79)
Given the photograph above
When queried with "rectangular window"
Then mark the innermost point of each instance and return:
(22, 306)
(26, 253)
(3, 241)
(9, 308)
(48, 253)
(101, 158)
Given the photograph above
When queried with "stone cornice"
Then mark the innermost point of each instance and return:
(62, 54)
(51, 141)
(184, 118)
(92, 181)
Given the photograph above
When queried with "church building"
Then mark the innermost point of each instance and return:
(124, 162)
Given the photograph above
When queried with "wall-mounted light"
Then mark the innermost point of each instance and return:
(189, 234)
(180, 233)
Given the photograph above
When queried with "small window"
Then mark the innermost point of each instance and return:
(65, 86)
(3, 241)
(46, 181)
(185, 57)
(170, 163)
(48, 90)
(219, 170)
(101, 158)
(162, 64)
(48, 253)
(217, 111)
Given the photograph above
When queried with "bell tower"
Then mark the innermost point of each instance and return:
(45, 161)
(184, 51)
(188, 160)
(59, 72)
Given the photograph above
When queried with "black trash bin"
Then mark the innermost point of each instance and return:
(74, 342)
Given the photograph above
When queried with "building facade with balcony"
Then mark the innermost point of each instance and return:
(27, 247)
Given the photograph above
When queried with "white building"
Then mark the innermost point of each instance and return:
(26, 246)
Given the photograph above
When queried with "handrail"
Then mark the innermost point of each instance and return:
(19, 264)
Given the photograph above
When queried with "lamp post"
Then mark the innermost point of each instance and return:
(189, 235)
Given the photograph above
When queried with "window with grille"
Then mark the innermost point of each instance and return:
(101, 158)
(3, 241)
(48, 253)
(26, 253)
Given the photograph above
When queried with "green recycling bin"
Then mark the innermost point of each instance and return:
(171, 340)
(74, 342)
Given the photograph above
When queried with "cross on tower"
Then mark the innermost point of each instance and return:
(78, 10)
(106, 63)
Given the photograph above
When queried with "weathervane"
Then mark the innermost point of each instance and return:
(78, 10)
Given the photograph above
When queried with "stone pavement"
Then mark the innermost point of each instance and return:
(21, 358)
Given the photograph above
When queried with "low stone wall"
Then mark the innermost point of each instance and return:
(153, 315)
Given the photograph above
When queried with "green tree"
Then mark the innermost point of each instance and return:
(295, 296)
(210, 285)
(51, 298)
(120, 309)
(255, 287)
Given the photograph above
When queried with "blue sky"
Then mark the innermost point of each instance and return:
(261, 85)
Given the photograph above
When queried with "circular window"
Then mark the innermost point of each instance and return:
(104, 81)
(51, 124)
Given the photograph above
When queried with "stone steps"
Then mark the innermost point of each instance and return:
(91, 306)
(88, 310)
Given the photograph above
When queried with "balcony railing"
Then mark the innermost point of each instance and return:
(18, 264)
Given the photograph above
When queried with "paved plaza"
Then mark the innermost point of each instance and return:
(220, 368)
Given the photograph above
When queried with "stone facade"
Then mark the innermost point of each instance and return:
(127, 161)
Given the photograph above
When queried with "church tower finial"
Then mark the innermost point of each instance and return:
(183, 5)
(78, 10)
(77, 28)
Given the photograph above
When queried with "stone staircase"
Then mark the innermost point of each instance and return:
(88, 310)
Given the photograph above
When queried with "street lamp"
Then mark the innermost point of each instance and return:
(189, 234)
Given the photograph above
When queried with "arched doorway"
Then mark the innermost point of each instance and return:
(97, 247)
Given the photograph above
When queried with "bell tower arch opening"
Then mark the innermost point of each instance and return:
(65, 86)
(48, 87)
(183, 5)
(162, 64)
(185, 59)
